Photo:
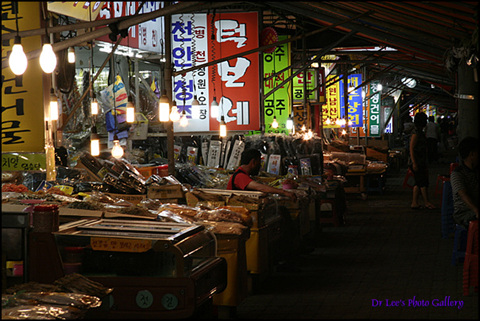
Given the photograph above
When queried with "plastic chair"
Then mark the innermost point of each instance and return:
(470, 265)
(441, 179)
(459, 244)
(448, 224)
(407, 177)
(333, 218)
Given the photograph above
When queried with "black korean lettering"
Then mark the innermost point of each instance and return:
(18, 106)
(9, 132)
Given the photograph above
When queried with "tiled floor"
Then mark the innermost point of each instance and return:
(386, 251)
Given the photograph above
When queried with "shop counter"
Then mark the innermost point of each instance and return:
(157, 269)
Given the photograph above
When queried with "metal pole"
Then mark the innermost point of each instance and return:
(168, 88)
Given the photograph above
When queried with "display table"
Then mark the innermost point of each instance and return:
(355, 182)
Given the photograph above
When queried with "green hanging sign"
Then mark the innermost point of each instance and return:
(277, 104)
(298, 81)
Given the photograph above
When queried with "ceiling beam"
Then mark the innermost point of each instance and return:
(401, 44)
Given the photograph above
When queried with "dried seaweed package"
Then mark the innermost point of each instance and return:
(133, 181)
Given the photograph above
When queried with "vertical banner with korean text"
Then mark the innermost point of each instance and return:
(189, 49)
(355, 100)
(331, 110)
(277, 104)
(321, 85)
(234, 82)
(374, 110)
(22, 98)
(298, 82)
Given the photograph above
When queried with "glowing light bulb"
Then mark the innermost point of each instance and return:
(164, 108)
(289, 123)
(53, 105)
(328, 121)
(18, 60)
(71, 55)
(174, 115)
(183, 119)
(223, 127)
(117, 150)
(195, 108)
(130, 112)
(214, 110)
(304, 128)
(94, 143)
(94, 107)
(344, 132)
(274, 123)
(48, 60)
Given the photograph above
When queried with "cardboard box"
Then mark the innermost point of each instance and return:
(165, 191)
(132, 198)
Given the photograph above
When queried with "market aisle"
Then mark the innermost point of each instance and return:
(386, 251)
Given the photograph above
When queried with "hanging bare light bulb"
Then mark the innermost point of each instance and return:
(174, 114)
(94, 106)
(304, 128)
(275, 123)
(71, 55)
(183, 119)
(130, 111)
(195, 108)
(223, 127)
(18, 60)
(53, 105)
(328, 121)
(214, 108)
(94, 142)
(164, 108)
(289, 123)
(48, 60)
(117, 150)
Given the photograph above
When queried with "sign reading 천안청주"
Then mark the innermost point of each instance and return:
(196, 40)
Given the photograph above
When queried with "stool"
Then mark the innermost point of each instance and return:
(459, 244)
(333, 219)
(470, 265)
(448, 224)
(407, 177)
(441, 179)
(452, 167)
(378, 181)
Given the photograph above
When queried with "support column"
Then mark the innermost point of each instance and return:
(467, 109)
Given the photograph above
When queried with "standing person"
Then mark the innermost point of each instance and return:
(418, 161)
(432, 132)
(250, 163)
(464, 179)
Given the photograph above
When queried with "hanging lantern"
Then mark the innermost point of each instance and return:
(164, 108)
(48, 60)
(18, 60)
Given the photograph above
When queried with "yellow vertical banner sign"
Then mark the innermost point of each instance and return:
(22, 96)
(331, 110)
(77, 9)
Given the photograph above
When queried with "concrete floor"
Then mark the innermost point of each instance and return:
(386, 251)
